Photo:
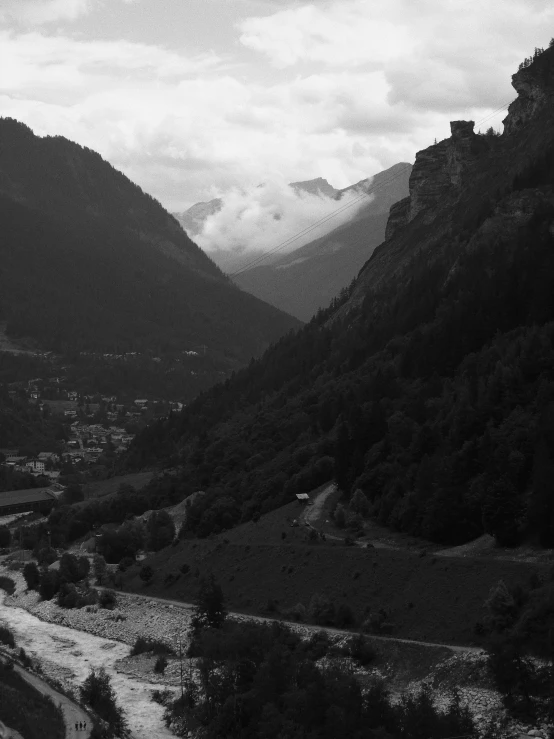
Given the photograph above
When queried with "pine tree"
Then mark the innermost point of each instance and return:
(210, 608)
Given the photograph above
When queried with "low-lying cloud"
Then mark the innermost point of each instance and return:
(273, 219)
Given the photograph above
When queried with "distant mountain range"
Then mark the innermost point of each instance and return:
(88, 261)
(308, 278)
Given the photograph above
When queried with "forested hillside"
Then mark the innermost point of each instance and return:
(430, 384)
(88, 262)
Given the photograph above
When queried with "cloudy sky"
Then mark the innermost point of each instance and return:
(193, 97)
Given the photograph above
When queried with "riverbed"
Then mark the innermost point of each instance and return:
(75, 653)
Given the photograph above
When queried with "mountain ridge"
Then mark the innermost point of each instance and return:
(91, 263)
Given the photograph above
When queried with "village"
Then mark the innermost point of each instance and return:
(93, 431)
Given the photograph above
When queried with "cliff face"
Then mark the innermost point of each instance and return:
(438, 170)
(535, 90)
(457, 184)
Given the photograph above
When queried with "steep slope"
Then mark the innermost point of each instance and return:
(88, 262)
(430, 386)
(308, 278)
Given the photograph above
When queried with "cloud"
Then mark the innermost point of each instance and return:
(361, 86)
(434, 56)
(272, 215)
(43, 11)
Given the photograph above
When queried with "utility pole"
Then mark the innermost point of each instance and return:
(181, 663)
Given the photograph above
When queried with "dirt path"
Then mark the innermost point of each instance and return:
(312, 514)
(72, 713)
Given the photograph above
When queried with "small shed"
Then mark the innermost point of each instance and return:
(303, 498)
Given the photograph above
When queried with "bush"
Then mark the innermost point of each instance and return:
(7, 584)
(143, 645)
(360, 649)
(317, 645)
(125, 563)
(5, 537)
(296, 613)
(321, 610)
(185, 568)
(107, 599)
(161, 664)
(32, 575)
(49, 584)
(146, 574)
(6, 636)
(345, 616)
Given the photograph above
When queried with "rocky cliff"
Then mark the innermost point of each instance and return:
(459, 182)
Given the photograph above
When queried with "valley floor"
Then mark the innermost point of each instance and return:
(69, 642)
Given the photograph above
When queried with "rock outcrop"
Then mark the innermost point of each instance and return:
(438, 170)
(535, 90)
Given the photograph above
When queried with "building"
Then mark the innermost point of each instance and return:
(35, 465)
(21, 501)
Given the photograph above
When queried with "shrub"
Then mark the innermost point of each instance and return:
(296, 613)
(7, 584)
(107, 599)
(125, 563)
(143, 645)
(6, 636)
(146, 573)
(360, 649)
(317, 645)
(49, 584)
(345, 616)
(321, 610)
(185, 568)
(32, 575)
(161, 664)
(5, 537)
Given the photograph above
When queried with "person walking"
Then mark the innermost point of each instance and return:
(76, 726)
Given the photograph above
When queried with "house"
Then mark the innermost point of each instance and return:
(35, 394)
(70, 414)
(45, 456)
(15, 459)
(21, 501)
(141, 402)
(72, 395)
(35, 465)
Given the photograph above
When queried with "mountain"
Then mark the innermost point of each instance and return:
(192, 220)
(427, 389)
(307, 279)
(89, 262)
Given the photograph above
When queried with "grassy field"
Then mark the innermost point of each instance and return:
(428, 598)
(101, 488)
(26, 710)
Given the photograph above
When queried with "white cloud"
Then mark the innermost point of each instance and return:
(43, 11)
(267, 216)
(338, 34)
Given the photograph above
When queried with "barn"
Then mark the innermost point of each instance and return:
(31, 499)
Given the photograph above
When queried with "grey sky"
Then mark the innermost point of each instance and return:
(192, 97)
